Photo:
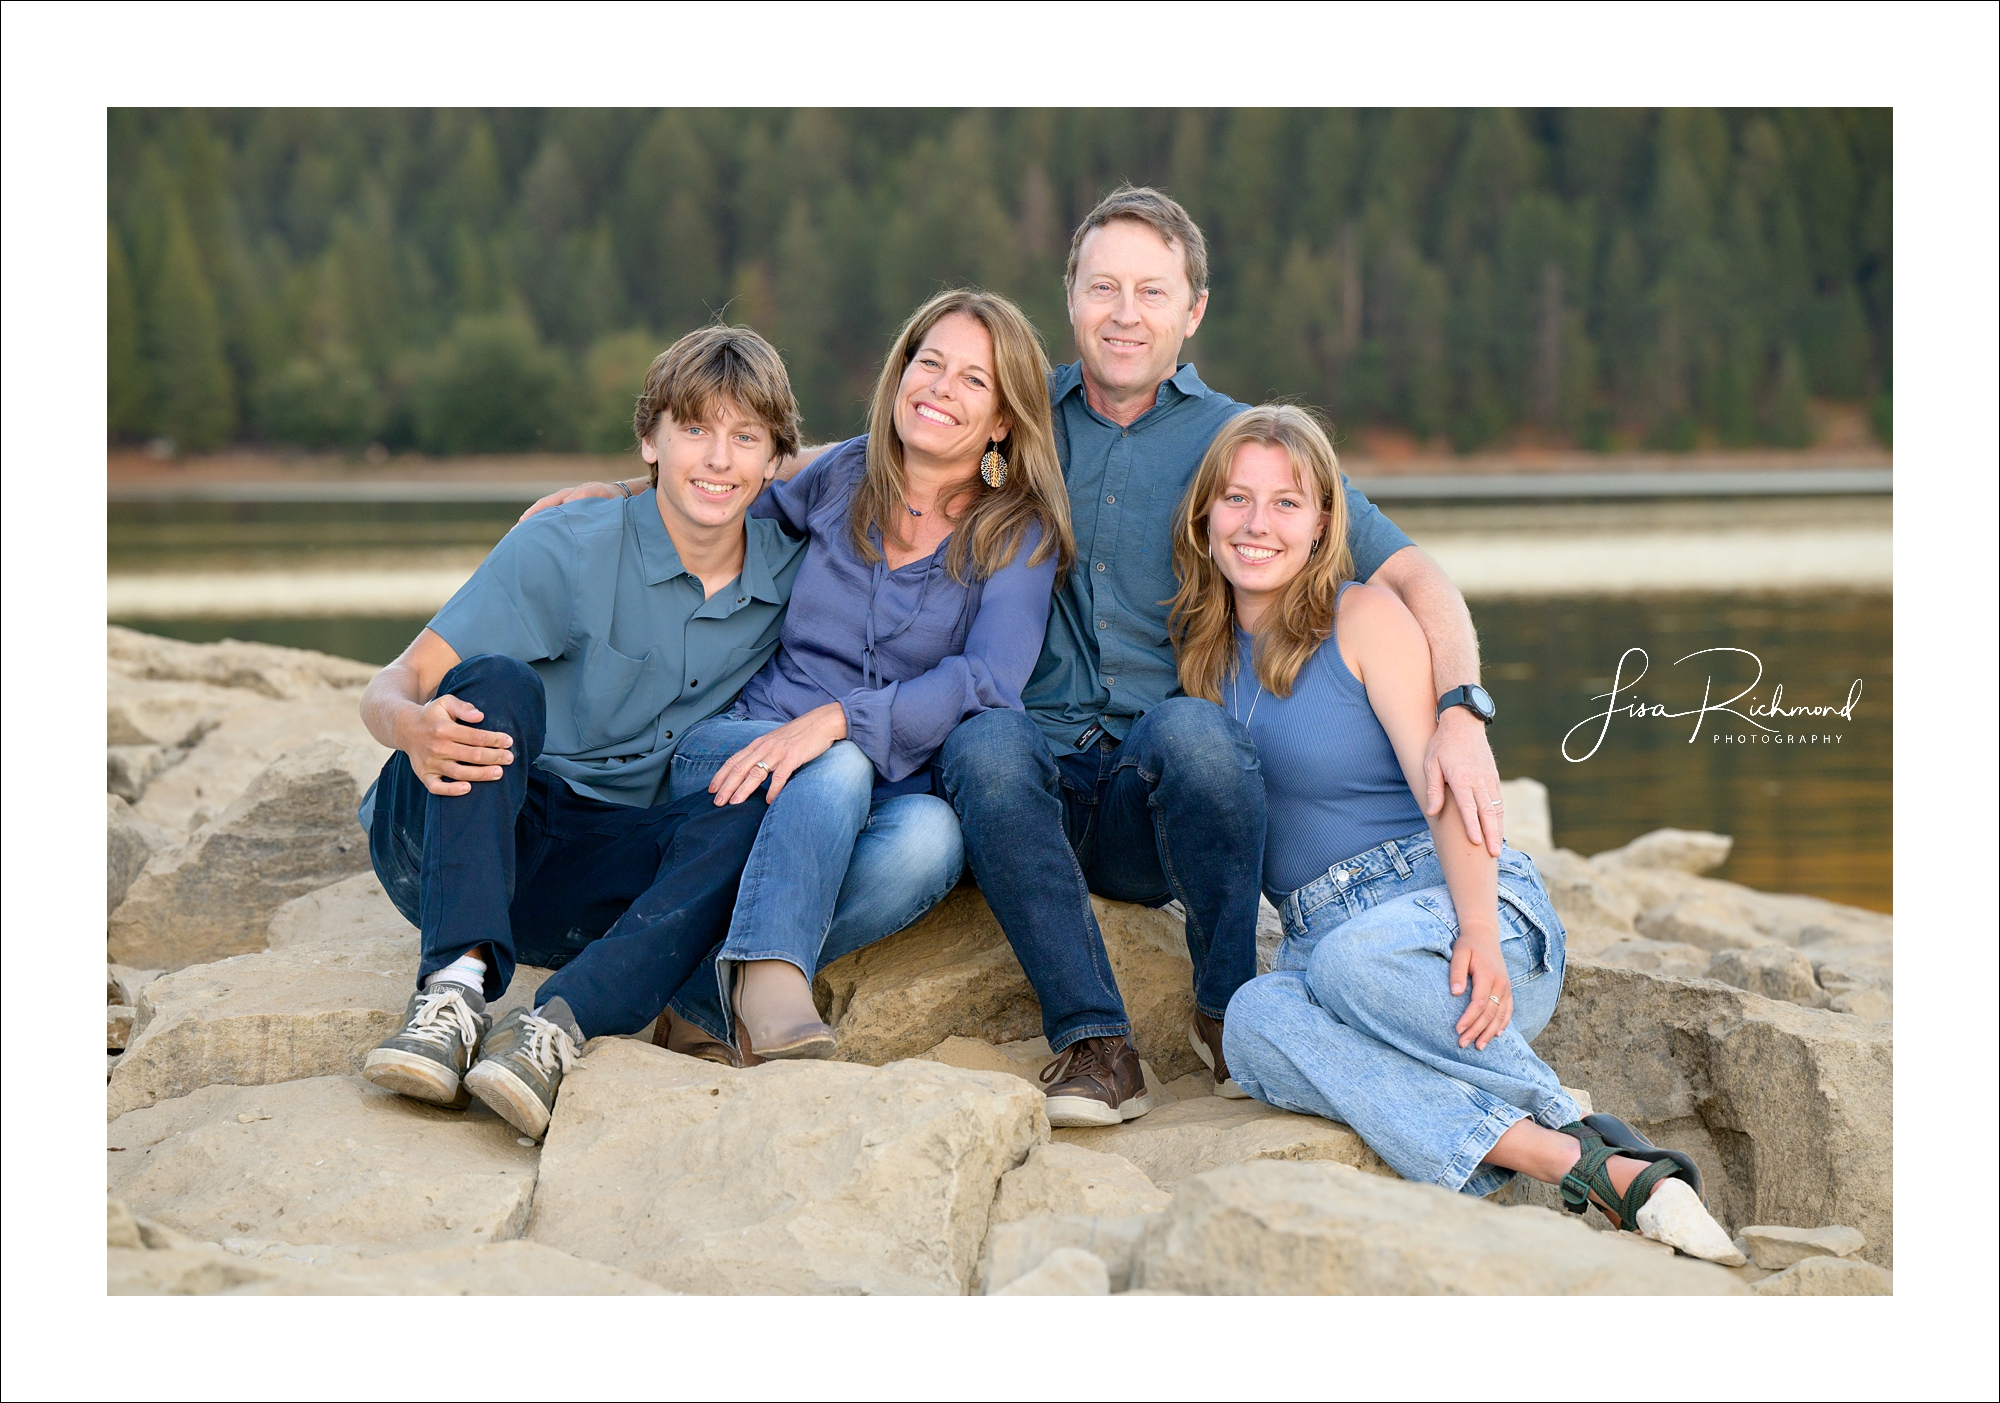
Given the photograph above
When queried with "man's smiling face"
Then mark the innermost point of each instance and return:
(711, 469)
(1131, 307)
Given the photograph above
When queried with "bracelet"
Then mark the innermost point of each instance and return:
(620, 485)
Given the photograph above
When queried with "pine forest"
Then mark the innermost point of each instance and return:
(459, 281)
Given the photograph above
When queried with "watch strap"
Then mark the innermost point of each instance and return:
(1461, 696)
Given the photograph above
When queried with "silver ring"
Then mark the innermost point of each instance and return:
(1493, 998)
(1496, 804)
(761, 765)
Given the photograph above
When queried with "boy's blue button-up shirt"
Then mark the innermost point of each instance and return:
(593, 596)
(1106, 659)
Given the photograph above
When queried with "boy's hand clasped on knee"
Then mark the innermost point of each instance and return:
(446, 750)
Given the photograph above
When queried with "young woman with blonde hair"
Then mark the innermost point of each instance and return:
(935, 540)
(1415, 967)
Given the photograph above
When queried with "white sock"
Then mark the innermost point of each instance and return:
(468, 971)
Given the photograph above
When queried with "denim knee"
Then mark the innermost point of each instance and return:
(1357, 963)
(930, 846)
(1196, 742)
(506, 689)
(1253, 1024)
(991, 756)
(846, 765)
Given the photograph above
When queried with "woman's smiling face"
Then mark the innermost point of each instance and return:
(948, 405)
(1262, 524)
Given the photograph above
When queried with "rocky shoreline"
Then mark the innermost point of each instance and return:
(253, 959)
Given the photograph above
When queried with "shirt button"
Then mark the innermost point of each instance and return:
(742, 599)
(1111, 682)
(1102, 624)
(1100, 565)
(669, 735)
(694, 682)
(1110, 498)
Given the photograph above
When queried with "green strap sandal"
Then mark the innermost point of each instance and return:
(1604, 1138)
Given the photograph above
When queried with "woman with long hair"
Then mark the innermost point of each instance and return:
(1415, 968)
(936, 539)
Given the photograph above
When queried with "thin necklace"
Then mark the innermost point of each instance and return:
(911, 510)
(1234, 685)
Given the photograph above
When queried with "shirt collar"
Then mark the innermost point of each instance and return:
(1188, 383)
(656, 547)
(1069, 381)
(763, 546)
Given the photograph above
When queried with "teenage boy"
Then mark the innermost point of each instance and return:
(1107, 783)
(533, 722)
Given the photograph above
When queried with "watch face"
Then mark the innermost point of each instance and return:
(1481, 701)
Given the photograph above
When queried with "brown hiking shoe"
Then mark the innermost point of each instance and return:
(677, 1034)
(1205, 1037)
(1096, 1081)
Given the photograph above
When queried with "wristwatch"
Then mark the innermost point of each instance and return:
(1473, 697)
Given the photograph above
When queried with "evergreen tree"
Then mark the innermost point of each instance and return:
(1678, 277)
(193, 398)
(614, 372)
(491, 387)
(125, 407)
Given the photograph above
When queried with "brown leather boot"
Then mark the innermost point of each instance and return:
(1205, 1037)
(1096, 1081)
(676, 1034)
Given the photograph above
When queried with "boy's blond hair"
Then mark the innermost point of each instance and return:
(688, 379)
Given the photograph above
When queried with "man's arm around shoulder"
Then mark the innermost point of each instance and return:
(1459, 757)
(791, 467)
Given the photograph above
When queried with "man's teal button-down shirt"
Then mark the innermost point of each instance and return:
(1106, 659)
(593, 596)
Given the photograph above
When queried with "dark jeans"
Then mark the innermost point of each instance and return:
(1175, 812)
(625, 903)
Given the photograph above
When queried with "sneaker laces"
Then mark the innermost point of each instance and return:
(547, 1043)
(1082, 1058)
(441, 1012)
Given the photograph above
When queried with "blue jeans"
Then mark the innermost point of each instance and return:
(622, 902)
(1174, 812)
(1357, 1021)
(832, 870)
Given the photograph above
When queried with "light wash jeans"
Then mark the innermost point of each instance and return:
(833, 868)
(1357, 1022)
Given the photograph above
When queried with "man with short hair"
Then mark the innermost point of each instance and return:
(533, 722)
(1155, 796)
(1108, 783)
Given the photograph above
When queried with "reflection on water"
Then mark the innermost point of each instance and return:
(144, 537)
(1806, 818)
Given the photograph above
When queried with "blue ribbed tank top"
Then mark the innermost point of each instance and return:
(1332, 786)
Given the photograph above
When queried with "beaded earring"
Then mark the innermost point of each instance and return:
(993, 466)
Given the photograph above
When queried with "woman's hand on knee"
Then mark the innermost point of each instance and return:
(1476, 959)
(778, 755)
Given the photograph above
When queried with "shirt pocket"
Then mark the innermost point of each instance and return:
(618, 697)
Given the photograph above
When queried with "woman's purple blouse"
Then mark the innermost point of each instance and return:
(908, 653)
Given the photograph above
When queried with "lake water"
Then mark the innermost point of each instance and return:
(1808, 815)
